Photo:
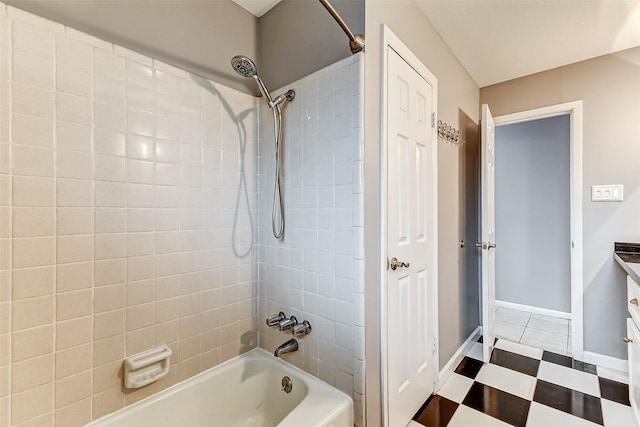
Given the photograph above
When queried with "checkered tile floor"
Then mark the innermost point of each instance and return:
(528, 387)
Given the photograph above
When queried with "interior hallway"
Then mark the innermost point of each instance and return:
(535, 330)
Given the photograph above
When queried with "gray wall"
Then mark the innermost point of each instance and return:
(468, 290)
(458, 98)
(298, 37)
(609, 87)
(533, 234)
(292, 40)
(198, 36)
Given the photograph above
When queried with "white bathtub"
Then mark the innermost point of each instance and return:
(245, 391)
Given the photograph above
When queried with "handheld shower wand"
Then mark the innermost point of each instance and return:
(247, 68)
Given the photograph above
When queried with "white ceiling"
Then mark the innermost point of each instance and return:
(499, 40)
(257, 7)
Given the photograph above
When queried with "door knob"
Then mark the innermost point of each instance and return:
(627, 340)
(485, 245)
(634, 301)
(394, 264)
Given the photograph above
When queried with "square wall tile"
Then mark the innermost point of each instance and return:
(32, 39)
(32, 282)
(32, 100)
(33, 251)
(32, 70)
(31, 403)
(31, 342)
(32, 312)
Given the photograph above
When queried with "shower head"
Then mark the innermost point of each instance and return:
(247, 68)
(244, 66)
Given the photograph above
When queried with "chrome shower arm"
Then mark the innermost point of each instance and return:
(263, 89)
(356, 41)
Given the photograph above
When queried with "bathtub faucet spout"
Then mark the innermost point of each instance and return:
(288, 347)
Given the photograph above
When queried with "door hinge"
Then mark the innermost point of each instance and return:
(433, 119)
(434, 347)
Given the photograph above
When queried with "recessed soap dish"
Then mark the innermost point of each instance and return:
(146, 367)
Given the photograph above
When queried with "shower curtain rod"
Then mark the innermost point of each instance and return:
(356, 41)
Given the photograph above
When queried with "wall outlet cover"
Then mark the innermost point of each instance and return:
(607, 193)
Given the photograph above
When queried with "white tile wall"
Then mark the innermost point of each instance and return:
(316, 271)
(119, 230)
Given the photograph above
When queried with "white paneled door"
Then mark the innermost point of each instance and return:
(411, 238)
(488, 231)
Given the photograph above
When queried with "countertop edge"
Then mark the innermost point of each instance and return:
(635, 275)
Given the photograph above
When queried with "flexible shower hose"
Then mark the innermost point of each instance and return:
(277, 195)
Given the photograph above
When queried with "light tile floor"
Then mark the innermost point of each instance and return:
(535, 330)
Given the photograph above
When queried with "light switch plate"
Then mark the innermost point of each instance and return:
(607, 193)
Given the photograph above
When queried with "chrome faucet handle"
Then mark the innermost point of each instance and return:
(274, 319)
(287, 323)
(303, 328)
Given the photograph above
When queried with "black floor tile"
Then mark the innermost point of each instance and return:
(498, 404)
(469, 367)
(569, 362)
(516, 362)
(613, 390)
(570, 401)
(436, 412)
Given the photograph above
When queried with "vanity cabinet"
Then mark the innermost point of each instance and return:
(633, 342)
(628, 256)
(634, 366)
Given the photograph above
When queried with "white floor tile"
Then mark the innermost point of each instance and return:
(414, 424)
(544, 416)
(509, 315)
(550, 318)
(570, 378)
(549, 326)
(507, 380)
(524, 350)
(545, 340)
(475, 352)
(611, 374)
(456, 387)
(615, 414)
(467, 417)
(508, 331)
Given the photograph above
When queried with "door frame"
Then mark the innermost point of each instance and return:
(390, 40)
(574, 110)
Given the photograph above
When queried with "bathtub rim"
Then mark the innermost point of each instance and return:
(336, 398)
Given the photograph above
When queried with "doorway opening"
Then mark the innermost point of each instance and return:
(538, 181)
(533, 286)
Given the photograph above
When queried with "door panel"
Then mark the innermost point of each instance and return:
(488, 231)
(410, 222)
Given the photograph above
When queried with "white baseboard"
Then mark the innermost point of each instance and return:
(606, 361)
(457, 357)
(531, 309)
